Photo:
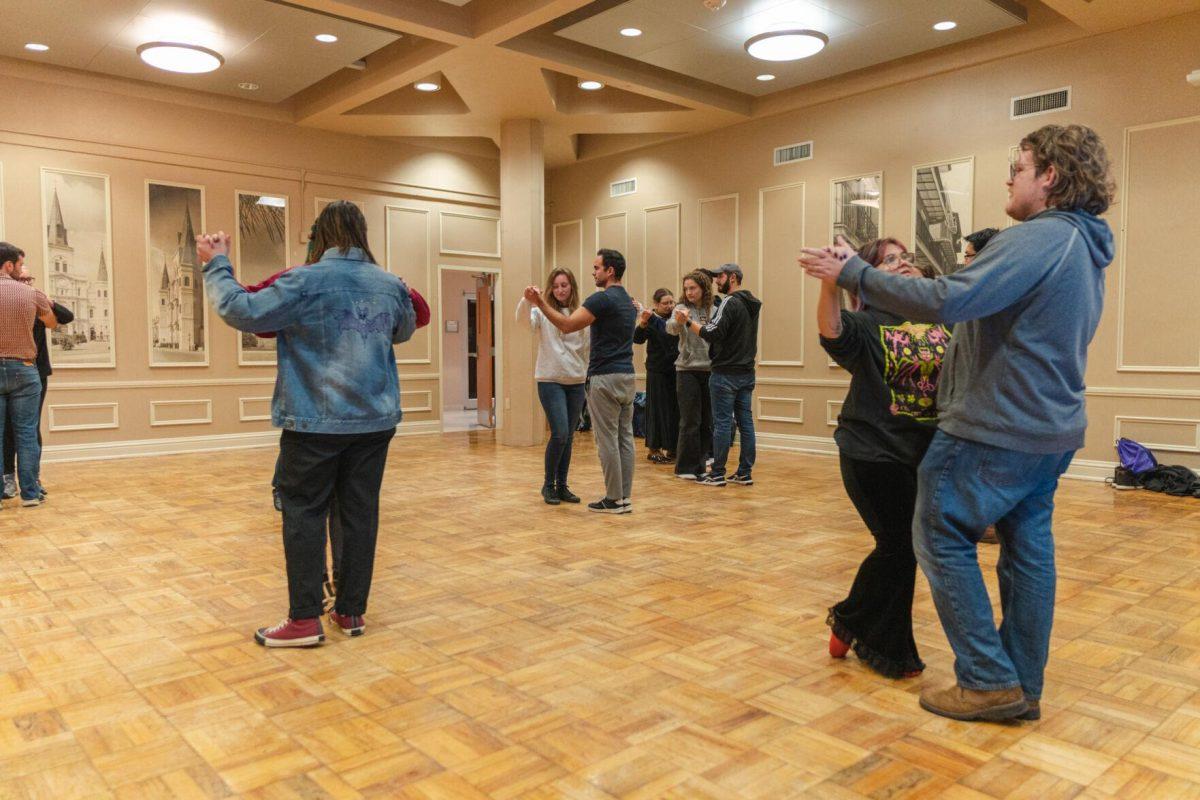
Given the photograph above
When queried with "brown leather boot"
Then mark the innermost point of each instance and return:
(969, 705)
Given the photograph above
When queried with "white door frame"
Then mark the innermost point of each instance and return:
(498, 343)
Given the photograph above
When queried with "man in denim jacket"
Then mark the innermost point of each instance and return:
(337, 398)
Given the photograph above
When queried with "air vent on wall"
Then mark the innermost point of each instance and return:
(1043, 103)
(622, 188)
(793, 152)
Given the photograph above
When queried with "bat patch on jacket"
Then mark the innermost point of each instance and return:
(360, 320)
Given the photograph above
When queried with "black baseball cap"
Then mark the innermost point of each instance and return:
(731, 268)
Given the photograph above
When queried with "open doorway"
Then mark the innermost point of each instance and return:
(468, 348)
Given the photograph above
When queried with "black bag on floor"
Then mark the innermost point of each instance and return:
(639, 415)
(1177, 481)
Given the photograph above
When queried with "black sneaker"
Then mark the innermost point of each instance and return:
(277, 499)
(566, 496)
(550, 495)
(1124, 480)
(741, 480)
(711, 480)
(606, 506)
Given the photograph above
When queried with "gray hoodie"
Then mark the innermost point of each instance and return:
(1027, 309)
(693, 351)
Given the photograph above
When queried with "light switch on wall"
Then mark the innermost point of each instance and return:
(451, 326)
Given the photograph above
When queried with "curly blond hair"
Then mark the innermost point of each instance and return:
(1080, 161)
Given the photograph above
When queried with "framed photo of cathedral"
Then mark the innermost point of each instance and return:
(260, 250)
(77, 250)
(177, 313)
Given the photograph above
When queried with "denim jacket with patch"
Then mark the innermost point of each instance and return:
(336, 321)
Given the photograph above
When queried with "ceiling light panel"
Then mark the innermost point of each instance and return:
(631, 33)
(37, 47)
(788, 45)
(183, 58)
(590, 85)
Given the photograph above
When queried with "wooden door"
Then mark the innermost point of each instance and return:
(485, 370)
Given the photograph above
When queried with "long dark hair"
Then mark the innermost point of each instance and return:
(701, 279)
(341, 224)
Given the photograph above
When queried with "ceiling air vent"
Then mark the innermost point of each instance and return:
(1044, 103)
(622, 188)
(793, 152)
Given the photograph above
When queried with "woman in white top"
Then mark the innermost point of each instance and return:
(561, 372)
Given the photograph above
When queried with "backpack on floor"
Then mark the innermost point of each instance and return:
(639, 415)
(1135, 457)
(585, 419)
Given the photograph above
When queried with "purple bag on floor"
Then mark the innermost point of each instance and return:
(1135, 457)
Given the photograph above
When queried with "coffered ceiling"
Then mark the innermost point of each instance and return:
(687, 72)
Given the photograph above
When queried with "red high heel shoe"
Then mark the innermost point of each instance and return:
(838, 648)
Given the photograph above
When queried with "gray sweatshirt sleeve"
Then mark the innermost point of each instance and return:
(1012, 264)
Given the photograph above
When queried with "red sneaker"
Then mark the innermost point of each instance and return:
(292, 633)
(838, 648)
(349, 624)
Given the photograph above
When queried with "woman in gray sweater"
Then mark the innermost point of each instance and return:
(691, 378)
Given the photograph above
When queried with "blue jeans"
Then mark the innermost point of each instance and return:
(963, 487)
(20, 405)
(563, 404)
(731, 401)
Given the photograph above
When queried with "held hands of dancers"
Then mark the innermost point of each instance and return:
(533, 295)
(211, 245)
(681, 315)
(825, 263)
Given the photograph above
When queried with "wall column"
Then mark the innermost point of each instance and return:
(523, 245)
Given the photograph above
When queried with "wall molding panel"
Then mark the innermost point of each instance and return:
(775, 244)
(244, 415)
(795, 420)
(55, 410)
(205, 419)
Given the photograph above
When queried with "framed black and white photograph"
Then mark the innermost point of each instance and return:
(177, 313)
(857, 211)
(77, 250)
(942, 199)
(260, 251)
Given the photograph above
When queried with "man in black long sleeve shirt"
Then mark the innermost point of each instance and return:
(64, 316)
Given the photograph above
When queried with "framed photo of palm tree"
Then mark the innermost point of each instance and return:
(260, 251)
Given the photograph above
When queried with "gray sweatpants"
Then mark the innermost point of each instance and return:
(610, 404)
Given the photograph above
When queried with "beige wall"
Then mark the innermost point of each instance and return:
(732, 203)
(423, 207)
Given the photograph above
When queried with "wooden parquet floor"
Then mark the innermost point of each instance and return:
(516, 650)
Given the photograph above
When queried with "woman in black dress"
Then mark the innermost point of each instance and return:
(887, 420)
(662, 348)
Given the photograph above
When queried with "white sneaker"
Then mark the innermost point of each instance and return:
(685, 476)
(627, 503)
(36, 501)
(10, 486)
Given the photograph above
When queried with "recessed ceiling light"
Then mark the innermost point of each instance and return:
(631, 32)
(945, 25)
(426, 86)
(37, 47)
(248, 86)
(766, 77)
(789, 45)
(327, 38)
(174, 57)
(590, 86)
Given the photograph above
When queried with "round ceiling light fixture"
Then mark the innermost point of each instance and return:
(766, 76)
(248, 86)
(590, 86)
(789, 45)
(325, 38)
(631, 32)
(37, 47)
(945, 25)
(427, 86)
(175, 57)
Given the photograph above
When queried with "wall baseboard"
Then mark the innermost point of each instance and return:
(1081, 469)
(99, 451)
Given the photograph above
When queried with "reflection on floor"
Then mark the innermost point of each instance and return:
(518, 650)
(458, 420)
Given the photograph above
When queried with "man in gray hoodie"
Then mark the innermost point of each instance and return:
(1011, 402)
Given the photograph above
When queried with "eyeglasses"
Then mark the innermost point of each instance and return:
(895, 258)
